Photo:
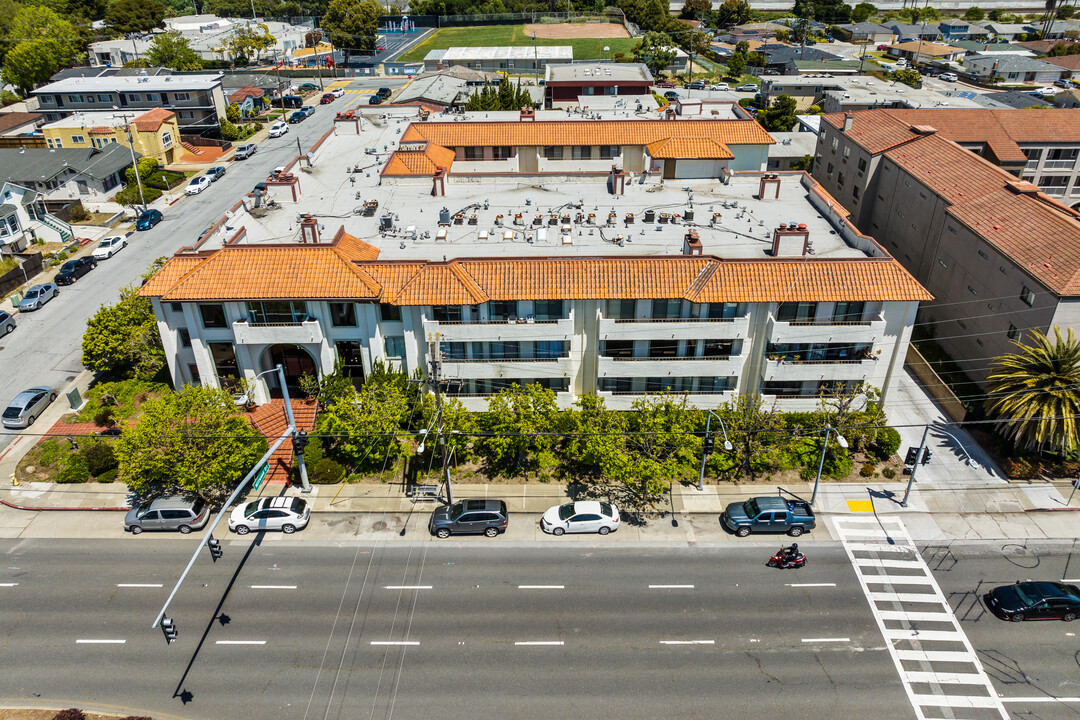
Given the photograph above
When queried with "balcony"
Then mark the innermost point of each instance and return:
(674, 329)
(520, 330)
(826, 331)
(625, 400)
(305, 332)
(792, 403)
(667, 366)
(1059, 164)
(510, 369)
(817, 369)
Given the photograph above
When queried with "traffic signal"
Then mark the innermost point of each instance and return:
(912, 455)
(926, 455)
(215, 548)
(169, 628)
(709, 444)
(300, 441)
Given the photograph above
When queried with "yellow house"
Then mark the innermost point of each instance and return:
(154, 133)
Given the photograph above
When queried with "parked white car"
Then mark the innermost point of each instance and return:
(109, 247)
(586, 516)
(287, 514)
(949, 77)
(337, 92)
(719, 86)
(197, 185)
(278, 129)
(1045, 91)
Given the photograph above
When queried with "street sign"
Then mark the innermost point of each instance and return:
(260, 476)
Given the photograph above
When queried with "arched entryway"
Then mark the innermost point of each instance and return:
(295, 361)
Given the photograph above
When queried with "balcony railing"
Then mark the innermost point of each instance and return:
(709, 358)
(853, 361)
(672, 320)
(667, 391)
(502, 360)
(516, 321)
(1059, 164)
(828, 321)
(278, 323)
(1054, 190)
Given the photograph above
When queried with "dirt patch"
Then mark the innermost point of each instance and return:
(566, 31)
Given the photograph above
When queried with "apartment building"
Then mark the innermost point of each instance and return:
(582, 283)
(197, 99)
(155, 133)
(950, 195)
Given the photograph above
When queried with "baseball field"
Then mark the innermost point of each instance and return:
(587, 39)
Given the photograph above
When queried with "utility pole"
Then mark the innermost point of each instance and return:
(536, 61)
(435, 380)
(134, 164)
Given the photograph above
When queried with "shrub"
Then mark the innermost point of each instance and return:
(51, 451)
(1019, 468)
(888, 473)
(868, 470)
(70, 714)
(74, 471)
(327, 472)
(886, 444)
(313, 453)
(99, 459)
(61, 257)
(108, 476)
(78, 213)
(104, 418)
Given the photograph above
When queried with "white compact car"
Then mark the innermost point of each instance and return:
(109, 247)
(278, 129)
(287, 514)
(586, 516)
(719, 86)
(338, 92)
(197, 185)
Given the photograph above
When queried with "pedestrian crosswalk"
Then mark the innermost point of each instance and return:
(941, 673)
(360, 91)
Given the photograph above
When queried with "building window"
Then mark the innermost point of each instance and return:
(213, 316)
(840, 179)
(609, 152)
(46, 100)
(185, 337)
(1013, 332)
(285, 312)
(176, 307)
(502, 310)
(446, 313)
(186, 114)
(389, 313)
(548, 310)
(193, 372)
(847, 152)
(151, 97)
(103, 98)
(502, 152)
(224, 357)
(829, 169)
(582, 152)
(134, 97)
(75, 98)
(620, 309)
(1027, 296)
(835, 144)
(78, 139)
(553, 152)
(474, 153)
(395, 347)
(862, 164)
(343, 314)
(166, 139)
(796, 311)
(180, 97)
(855, 193)
(350, 356)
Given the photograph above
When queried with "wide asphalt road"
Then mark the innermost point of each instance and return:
(46, 347)
(530, 631)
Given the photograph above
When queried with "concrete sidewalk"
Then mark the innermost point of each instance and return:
(380, 512)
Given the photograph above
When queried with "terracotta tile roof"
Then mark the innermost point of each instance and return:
(1033, 233)
(678, 148)
(353, 248)
(418, 162)
(151, 120)
(244, 93)
(102, 130)
(313, 272)
(574, 132)
(282, 272)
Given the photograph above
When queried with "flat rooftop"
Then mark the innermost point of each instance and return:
(742, 229)
(591, 72)
(113, 83)
(93, 119)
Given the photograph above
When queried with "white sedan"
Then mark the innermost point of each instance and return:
(586, 516)
(109, 247)
(197, 185)
(1046, 91)
(337, 92)
(287, 514)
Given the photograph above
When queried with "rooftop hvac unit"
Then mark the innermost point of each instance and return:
(386, 222)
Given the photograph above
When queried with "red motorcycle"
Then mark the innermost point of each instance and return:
(788, 557)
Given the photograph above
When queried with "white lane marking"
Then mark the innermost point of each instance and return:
(406, 587)
(824, 640)
(395, 642)
(909, 616)
(539, 642)
(8, 584)
(138, 585)
(878, 562)
(1041, 698)
(541, 587)
(273, 587)
(976, 692)
(240, 642)
(687, 642)
(671, 587)
(93, 641)
(811, 584)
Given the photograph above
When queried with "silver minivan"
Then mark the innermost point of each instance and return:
(168, 513)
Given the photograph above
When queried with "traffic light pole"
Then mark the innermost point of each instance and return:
(210, 531)
(915, 466)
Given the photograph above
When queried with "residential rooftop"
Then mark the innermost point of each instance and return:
(113, 83)
(586, 72)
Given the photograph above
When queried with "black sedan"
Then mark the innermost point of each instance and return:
(72, 270)
(297, 117)
(1034, 601)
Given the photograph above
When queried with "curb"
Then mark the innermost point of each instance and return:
(64, 509)
(1062, 509)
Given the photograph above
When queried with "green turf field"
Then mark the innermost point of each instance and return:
(500, 35)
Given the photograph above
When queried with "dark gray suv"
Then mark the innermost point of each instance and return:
(470, 517)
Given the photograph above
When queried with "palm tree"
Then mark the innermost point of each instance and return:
(1036, 392)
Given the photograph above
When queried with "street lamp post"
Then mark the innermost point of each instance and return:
(918, 459)
(842, 441)
(705, 449)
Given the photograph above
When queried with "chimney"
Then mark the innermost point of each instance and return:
(849, 120)
(309, 229)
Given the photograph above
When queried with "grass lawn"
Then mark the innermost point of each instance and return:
(508, 35)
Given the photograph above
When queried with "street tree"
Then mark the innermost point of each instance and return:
(193, 441)
(8, 10)
(780, 115)
(352, 25)
(862, 12)
(1035, 392)
(656, 50)
(134, 15)
(248, 44)
(30, 63)
(360, 428)
(733, 12)
(754, 431)
(974, 14)
(122, 340)
(693, 9)
(519, 428)
(173, 50)
(736, 64)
